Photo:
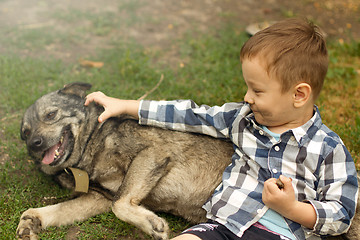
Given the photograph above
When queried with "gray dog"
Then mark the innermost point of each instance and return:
(133, 170)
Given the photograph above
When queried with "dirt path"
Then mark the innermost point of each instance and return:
(75, 29)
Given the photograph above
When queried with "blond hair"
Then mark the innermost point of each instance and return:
(294, 50)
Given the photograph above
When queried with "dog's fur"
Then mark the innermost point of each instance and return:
(133, 170)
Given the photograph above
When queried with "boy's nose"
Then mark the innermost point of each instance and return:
(248, 98)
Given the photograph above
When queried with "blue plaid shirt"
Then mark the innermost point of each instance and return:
(322, 170)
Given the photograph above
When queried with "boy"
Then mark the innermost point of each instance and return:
(277, 133)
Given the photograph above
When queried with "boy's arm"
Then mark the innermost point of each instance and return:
(113, 106)
(181, 115)
(334, 208)
(185, 115)
(337, 192)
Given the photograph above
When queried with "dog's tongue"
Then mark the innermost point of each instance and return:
(50, 154)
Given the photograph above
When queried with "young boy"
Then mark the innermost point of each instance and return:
(277, 133)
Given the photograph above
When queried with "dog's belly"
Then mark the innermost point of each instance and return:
(183, 191)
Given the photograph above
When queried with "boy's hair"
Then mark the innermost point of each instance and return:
(294, 50)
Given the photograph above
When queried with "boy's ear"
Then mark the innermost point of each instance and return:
(302, 94)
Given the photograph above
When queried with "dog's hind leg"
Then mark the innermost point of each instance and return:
(143, 175)
(78, 209)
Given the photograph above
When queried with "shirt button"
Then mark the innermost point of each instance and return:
(259, 211)
(275, 170)
(277, 148)
(261, 132)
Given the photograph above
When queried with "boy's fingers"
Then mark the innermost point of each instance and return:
(271, 186)
(95, 93)
(101, 99)
(94, 97)
(104, 116)
(100, 119)
(286, 181)
(88, 99)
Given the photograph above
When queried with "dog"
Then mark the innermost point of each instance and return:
(132, 170)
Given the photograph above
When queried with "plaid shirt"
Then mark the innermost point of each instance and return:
(322, 170)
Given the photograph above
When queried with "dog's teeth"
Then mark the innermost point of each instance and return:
(57, 153)
(61, 139)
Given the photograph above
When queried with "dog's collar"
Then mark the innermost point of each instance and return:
(81, 179)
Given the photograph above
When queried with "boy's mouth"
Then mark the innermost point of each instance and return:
(252, 109)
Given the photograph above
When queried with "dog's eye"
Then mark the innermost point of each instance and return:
(51, 115)
(26, 133)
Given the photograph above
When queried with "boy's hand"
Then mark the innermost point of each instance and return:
(113, 106)
(279, 199)
(283, 201)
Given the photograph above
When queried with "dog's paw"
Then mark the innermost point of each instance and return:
(28, 228)
(160, 228)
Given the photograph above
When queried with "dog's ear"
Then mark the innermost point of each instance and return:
(78, 89)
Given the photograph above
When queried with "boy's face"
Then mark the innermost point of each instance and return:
(271, 107)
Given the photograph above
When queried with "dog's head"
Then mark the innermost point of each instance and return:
(50, 126)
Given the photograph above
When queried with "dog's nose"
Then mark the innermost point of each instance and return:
(37, 142)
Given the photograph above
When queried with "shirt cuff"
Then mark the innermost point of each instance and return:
(329, 219)
(139, 110)
(147, 112)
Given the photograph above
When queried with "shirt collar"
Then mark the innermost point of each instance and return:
(306, 132)
(302, 134)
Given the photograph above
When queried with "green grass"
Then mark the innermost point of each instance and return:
(210, 74)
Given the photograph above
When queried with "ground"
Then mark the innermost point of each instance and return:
(74, 30)
(156, 24)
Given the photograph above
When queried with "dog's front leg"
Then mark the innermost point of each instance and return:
(78, 209)
(143, 175)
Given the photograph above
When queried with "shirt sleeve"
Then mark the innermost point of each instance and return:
(338, 193)
(187, 116)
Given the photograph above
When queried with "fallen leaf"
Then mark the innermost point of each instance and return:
(91, 64)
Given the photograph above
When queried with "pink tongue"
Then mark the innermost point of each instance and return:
(50, 154)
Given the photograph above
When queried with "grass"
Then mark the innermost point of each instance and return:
(209, 73)
(340, 101)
